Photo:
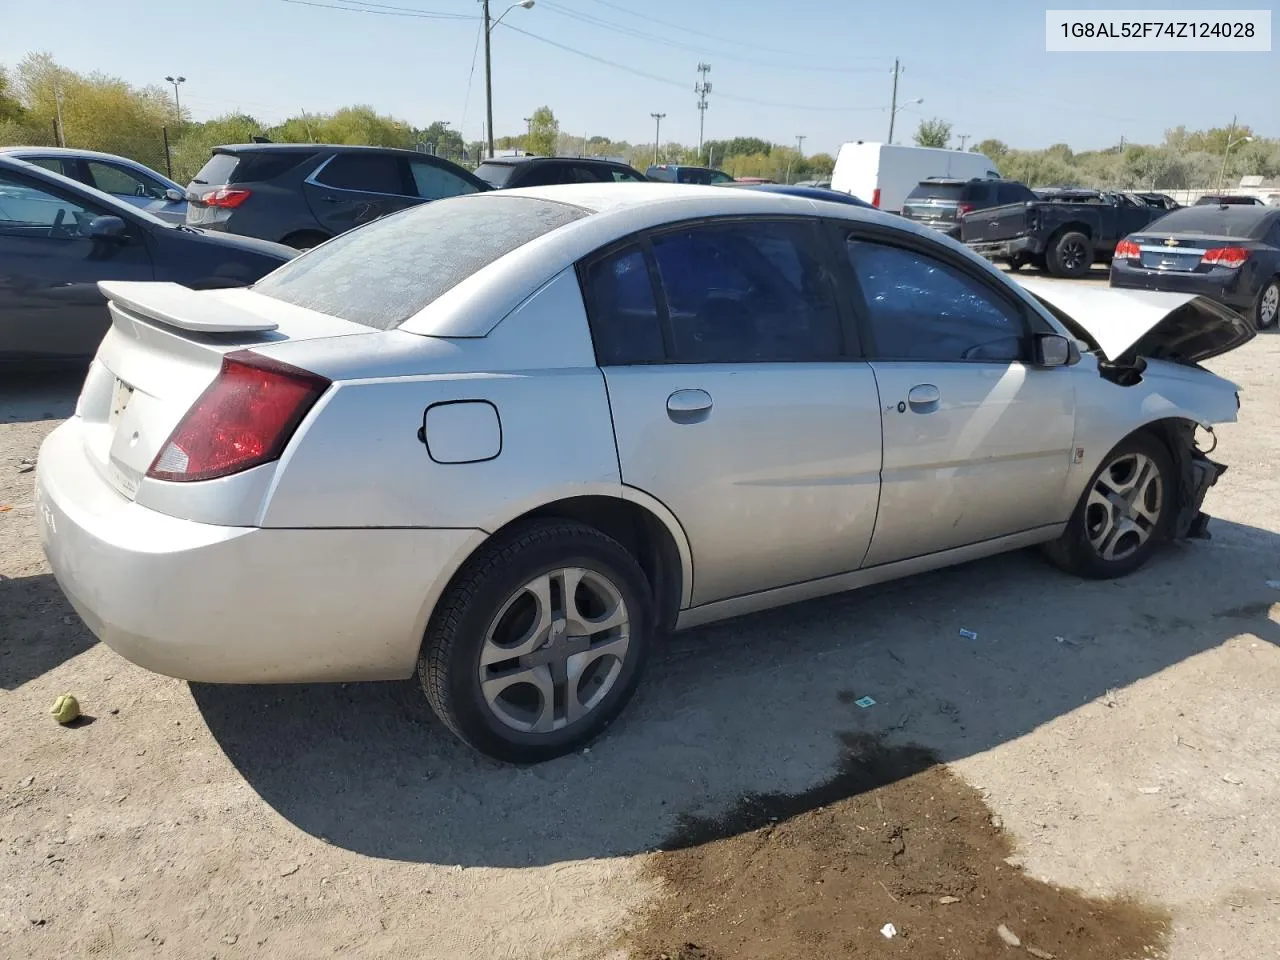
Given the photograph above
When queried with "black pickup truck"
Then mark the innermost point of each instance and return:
(1064, 231)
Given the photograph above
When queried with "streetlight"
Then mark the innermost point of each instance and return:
(1230, 143)
(897, 110)
(488, 70)
(657, 131)
(177, 104)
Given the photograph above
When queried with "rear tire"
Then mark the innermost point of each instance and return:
(305, 239)
(1071, 255)
(1123, 515)
(539, 642)
(1267, 308)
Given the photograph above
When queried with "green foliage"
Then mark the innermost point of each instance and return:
(544, 132)
(443, 140)
(198, 140)
(991, 149)
(933, 133)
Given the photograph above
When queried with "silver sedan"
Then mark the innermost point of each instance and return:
(505, 441)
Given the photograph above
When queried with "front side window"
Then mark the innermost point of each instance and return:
(31, 210)
(920, 308)
(621, 175)
(747, 292)
(434, 182)
(123, 182)
(364, 172)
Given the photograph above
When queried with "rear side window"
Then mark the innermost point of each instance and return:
(623, 175)
(434, 182)
(625, 322)
(979, 193)
(382, 273)
(495, 174)
(53, 164)
(1013, 193)
(364, 173)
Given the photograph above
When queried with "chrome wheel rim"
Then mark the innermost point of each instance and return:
(1124, 506)
(1270, 305)
(554, 650)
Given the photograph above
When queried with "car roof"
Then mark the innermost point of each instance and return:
(69, 152)
(513, 161)
(311, 148)
(799, 190)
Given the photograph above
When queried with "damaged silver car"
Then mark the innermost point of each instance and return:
(502, 442)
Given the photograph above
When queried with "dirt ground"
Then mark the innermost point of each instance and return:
(1099, 771)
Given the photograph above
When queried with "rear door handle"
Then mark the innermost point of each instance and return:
(689, 406)
(923, 398)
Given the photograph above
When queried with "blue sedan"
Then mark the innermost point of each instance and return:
(811, 193)
(125, 179)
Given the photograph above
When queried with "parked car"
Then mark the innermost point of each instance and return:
(753, 180)
(679, 173)
(799, 190)
(1227, 199)
(301, 194)
(1066, 232)
(941, 202)
(1230, 254)
(58, 238)
(124, 179)
(883, 174)
(508, 173)
(751, 399)
(1161, 200)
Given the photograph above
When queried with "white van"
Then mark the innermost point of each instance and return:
(883, 174)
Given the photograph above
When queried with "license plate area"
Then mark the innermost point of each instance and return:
(121, 394)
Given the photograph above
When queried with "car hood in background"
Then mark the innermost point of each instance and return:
(238, 242)
(1182, 327)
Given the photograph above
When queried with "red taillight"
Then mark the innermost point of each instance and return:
(1127, 250)
(875, 197)
(1229, 257)
(227, 197)
(243, 419)
(962, 209)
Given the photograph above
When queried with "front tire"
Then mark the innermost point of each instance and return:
(1071, 255)
(539, 642)
(1267, 309)
(1123, 515)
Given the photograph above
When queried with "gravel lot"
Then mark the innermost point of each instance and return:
(1126, 735)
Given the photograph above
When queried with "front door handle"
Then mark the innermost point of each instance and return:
(923, 398)
(689, 406)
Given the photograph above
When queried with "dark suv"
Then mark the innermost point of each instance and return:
(677, 173)
(940, 202)
(302, 194)
(508, 173)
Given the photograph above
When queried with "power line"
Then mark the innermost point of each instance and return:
(677, 83)
(696, 48)
(466, 100)
(684, 28)
(411, 12)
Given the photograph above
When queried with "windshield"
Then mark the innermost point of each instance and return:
(495, 175)
(384, 272)
(1238, 222)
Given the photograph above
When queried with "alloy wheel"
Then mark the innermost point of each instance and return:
(554, 651)
(1073, 255)
(1269, 306)
(1124, 507)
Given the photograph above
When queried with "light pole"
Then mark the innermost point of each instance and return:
(964, 138)
(657, 131)
(1230, 143)
(898, 110)
(177, 104)
(488, 66)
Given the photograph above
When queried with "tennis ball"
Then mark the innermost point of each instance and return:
(66, 708)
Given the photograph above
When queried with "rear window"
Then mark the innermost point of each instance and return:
(381, 274)
(1242, 223)
(495, 175)
(936, 191)
(661, 173)
(221, 168)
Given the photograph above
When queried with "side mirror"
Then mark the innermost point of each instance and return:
(1052, 350)
(174, 196)
(108, 228)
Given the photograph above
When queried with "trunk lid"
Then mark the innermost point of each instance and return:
(1179, 327)
(164, 347)
(1180, 252)
(996, 223)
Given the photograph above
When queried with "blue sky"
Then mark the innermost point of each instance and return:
(779, 69)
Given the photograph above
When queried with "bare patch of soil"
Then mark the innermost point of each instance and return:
(894, 838)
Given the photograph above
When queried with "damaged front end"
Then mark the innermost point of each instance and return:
(1196, 474)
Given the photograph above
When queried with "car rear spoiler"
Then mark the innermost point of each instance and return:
(178, 306)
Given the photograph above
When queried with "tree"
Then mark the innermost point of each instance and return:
(442, 139)
(544, 132)
(196, 144)
(821, 165)
(991, 149)
(10, 107)
(933, 133)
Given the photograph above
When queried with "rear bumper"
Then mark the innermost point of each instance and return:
(1004, 249)
(237, 604)
(947, 227)
(1224, 290)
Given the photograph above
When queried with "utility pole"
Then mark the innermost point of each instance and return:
(488, 79)
(800, 139)
(57, 103)
(702, 88)
(893, 103)
(964, 138)
(657, 133)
